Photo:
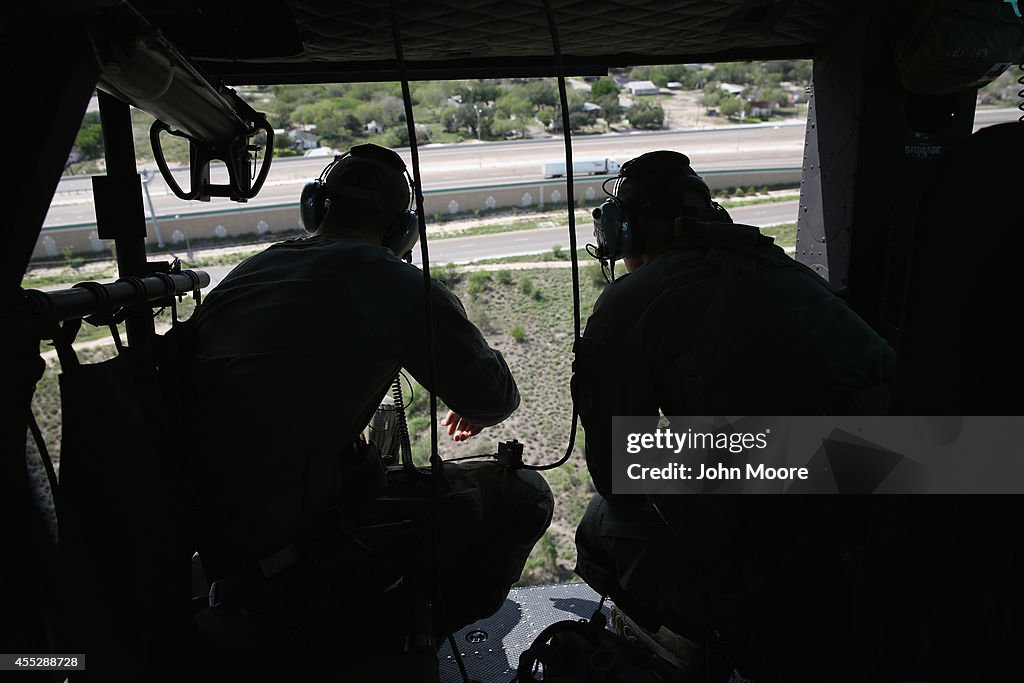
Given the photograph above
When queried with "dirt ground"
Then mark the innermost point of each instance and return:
(682, 110)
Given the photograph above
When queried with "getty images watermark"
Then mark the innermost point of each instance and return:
(815, 454)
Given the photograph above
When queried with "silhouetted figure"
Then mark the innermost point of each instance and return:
(712, 319)
(295, 349)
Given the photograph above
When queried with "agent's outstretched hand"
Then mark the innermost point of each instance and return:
(459, 428)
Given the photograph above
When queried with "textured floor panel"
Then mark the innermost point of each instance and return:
(491, 647)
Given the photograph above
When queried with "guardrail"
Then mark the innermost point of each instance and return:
(232, 221)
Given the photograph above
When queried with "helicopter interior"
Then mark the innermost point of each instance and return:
(903, 207)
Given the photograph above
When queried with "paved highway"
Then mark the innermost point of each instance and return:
(471, 164)
(465, 249)
(467, 164)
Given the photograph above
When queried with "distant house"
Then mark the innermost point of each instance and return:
(760, 109)
(304, 139)
(797, 93)
(581, 86)
(422, 132)
(674, 85)
(591, 107)
(731, 88)
(373, 127)
(642, 88)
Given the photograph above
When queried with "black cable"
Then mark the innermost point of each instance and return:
(44, 455)
(435, 462)
(436, 466)
(570, 185)
(458, 657)
(571, 199)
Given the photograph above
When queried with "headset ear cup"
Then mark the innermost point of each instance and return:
(404, 233)
(721, 215)
(311, 206)
(614, 230)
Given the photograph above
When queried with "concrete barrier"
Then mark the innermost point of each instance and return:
(178, 230)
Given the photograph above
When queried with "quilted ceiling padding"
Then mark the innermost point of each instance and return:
(474, 35)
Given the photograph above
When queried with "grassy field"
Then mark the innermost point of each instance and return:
(527, 315)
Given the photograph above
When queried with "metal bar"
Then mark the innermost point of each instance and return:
(128, 220)
(79, 302)
(142, 67)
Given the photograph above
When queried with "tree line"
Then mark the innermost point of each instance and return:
(342, 114)
(445, 111)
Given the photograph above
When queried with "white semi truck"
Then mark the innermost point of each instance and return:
(580, 167)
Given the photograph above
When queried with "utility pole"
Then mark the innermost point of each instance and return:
(479, 152)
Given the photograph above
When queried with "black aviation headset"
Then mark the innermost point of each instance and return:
(316, 197)
(619, 226)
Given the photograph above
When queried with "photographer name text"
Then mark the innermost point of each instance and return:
(716, 471)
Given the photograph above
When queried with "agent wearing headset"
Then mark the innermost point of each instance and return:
(712, 319)
(295, 349)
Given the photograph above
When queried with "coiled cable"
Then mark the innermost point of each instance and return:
(401, 423)
(1020, 93)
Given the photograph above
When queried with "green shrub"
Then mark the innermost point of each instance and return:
(518, 333)
(504, 276)
(418, 424)
(70, 259)
(558, 252)
(447, 273)
(478, 283)
(549, 551)
(526, 286)
(478, 313)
